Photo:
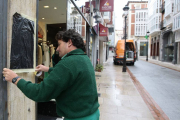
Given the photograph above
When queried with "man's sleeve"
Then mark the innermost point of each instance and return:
(50, 69)
(51, 87)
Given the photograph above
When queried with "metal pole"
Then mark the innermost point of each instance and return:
(147, 50)
(124, 61)
(97, 42)
(74, 23)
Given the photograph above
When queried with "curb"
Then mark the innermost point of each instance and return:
(161, 65)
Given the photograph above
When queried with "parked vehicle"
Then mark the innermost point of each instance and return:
(130, 52)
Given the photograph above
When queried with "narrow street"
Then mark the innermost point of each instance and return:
(163, 84)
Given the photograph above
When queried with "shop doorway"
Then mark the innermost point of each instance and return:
(3, 58)
(55, 16)
(52, 29)
(52, 18)
(143, 48)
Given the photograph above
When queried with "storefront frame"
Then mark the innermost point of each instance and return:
(3, 60)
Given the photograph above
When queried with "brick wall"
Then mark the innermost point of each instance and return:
(143, 6)
(132, 18)
(132, 29)
(132, 7)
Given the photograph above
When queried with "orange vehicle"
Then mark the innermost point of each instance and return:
(130, 52)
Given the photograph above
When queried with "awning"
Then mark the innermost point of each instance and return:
(103, 33)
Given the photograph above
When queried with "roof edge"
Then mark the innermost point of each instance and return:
(136, 2)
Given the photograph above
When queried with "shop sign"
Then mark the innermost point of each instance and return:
(103, 31)
(106, 5)
(87, 5)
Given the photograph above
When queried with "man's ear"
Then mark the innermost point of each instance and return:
(69, 42)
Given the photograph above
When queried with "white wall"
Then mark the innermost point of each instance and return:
(112, 38)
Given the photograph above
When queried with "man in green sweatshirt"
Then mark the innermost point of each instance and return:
(71, 82)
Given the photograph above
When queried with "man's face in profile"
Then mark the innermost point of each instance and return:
(62, 48)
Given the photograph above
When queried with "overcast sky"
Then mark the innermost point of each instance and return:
(118, 10)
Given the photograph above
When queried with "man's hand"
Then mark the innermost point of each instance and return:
(9, 74)
(42, 68)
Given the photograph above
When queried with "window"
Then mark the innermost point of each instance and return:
(137, 6)
(144, 16)
(142, 48)
(140, 24)
(137, 17)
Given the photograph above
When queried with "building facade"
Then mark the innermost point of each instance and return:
(176, 27)
(118, 35)
(167, 43)
(154, 19)
(165, 39)
(137, 25)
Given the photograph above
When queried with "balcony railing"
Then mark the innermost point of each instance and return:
(163, 7)
(162, 24)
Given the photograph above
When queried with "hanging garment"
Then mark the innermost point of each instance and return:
(43, 50)
(22, 47)
(47, 61)
(51, 53)
(46, 56)
(39, 55)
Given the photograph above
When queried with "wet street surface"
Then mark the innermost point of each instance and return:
(163, 84)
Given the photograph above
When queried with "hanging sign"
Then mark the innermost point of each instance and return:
(87, 5)
(106, 5)
(103, 31)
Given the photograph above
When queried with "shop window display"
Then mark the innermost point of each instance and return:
(169, 53)
(143, 49)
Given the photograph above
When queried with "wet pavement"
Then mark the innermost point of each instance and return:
(162, 84)
(119, 98)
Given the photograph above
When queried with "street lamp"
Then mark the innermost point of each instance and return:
(125, 9)
(147, 45)
(97, 16)
(74, 13)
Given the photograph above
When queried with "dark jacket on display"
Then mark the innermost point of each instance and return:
(22, 47)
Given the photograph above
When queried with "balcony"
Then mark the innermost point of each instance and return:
(162, 24)
(163, 7)
(169, 10)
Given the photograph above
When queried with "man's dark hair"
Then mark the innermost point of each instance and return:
(59, 35)
(75, 38)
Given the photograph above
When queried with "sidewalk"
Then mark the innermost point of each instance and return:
(164, 64)
(119, 98)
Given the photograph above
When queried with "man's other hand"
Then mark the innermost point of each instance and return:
(42, 68)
